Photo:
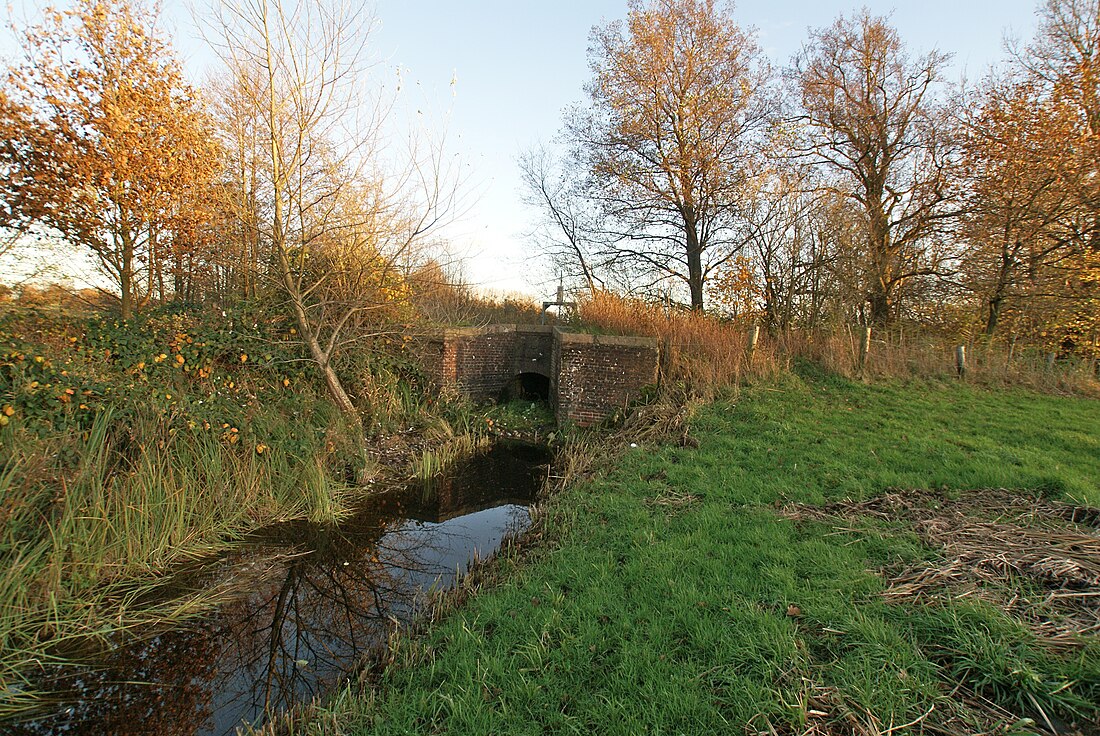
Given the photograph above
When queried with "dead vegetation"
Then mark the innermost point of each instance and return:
(1035, 559)
(671, 500)
(827, 712)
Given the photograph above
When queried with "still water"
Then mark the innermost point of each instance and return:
(315, 602)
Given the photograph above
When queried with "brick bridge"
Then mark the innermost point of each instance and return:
(584, 377)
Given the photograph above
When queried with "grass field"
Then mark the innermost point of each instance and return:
(698, 590)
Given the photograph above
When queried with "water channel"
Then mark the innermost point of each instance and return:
(315, 601)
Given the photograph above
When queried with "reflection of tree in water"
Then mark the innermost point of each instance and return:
(298, 640)
(307, 627)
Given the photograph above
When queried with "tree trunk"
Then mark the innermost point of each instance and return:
(126, 277)
(879, 301)
(993, 315)
(882, 257)
(695, 264)
(1004, 277)
(332, 381)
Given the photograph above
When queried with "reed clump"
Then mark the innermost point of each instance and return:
(700, 352)
(81, 546)
(433, 462)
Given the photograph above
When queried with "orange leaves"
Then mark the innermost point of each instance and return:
(103, 138)
(677, 103)
(735, 289)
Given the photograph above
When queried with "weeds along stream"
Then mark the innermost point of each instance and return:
(314, 602)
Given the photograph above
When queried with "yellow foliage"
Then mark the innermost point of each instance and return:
(736, 290)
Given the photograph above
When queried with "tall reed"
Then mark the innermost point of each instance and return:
(433, 462)
(698, 351)
(704, 353)
(79, 550)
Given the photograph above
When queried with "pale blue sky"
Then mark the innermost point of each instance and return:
(518, 64)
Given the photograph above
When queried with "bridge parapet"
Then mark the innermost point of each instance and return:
(595, 375)
(589, 376)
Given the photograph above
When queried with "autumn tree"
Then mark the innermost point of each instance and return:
(102, 140)
(339, 218)
(869, 119)
(1065, 55)
(1014, 145)
(677, 96)
(1064, 60)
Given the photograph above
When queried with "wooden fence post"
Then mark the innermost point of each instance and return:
(864, 348)
(960, 360)
(1051, 357)
(754, 337)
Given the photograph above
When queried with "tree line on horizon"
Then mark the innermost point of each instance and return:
(852, 186)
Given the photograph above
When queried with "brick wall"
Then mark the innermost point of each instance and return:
(590, 375)
(481, 362)
(594, 375)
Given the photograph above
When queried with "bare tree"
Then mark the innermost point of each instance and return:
(868, 116)
(568, 232)
(676, 99)
(782, 216)
(344, 214)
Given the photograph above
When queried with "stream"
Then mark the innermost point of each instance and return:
(314, 603)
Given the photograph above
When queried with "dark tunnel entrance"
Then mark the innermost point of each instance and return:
(529, 387)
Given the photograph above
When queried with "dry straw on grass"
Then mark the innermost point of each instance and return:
(827, 712)
(1039, 561)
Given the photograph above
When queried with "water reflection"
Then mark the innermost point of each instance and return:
(303, 630)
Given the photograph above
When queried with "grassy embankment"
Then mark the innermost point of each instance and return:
(699, 590)
(129, 449)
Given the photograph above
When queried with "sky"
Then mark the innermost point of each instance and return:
(516, 65)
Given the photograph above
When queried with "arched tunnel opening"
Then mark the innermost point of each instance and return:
(528, 387)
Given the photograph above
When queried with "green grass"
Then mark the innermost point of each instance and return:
(662, 605)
